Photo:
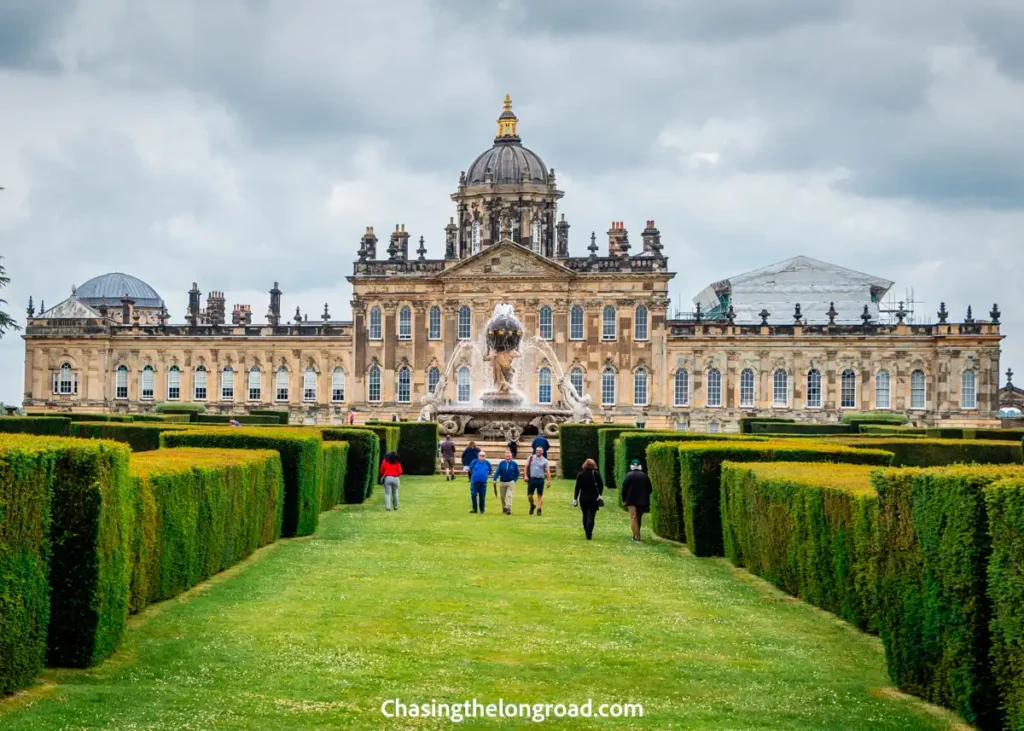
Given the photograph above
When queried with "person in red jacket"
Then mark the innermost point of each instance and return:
(390, 471)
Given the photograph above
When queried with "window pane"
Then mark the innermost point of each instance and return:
(173, 384)
(576, 379)
(376, 327)
(464, 386)
(535, 236)
(848, 390)
(338, 385)
(547, 326)
(227, 385)
(917, 390)
(404, 385)
(608, 388)
(309, 385)
(476, 237)
(640, 329)
(747, 387)
(682, 388)
(882, 392)
(435, 323)
(373, 385)
(147, 383)
(576, 323)
(640, 388)
(969, 390)
(544, 386)
(405, 323)
(780, 389)
(465, 323)
(714, 387)
(121, 382)
(255, 384)
(608, 323)
(433, 378)
(814, 390)
(282, 386)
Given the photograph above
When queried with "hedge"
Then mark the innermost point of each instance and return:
(746, 423)
(281, 415)
(139, 437)
(1004, 502)
(335, 456)
(606, 454)
(301, 460)
(932, 581)
(178, 407)
(417, 447)
(363, 460)
(244, 419)
(56, 426)
(199, 511)
(389, 436)
(81, 416)
(859, 417)
(944, 433)
(161, 418)
(1009, 435)
(777, 428)
(666, 505)
(939, 452)
(808, 529)
(577, 443)
(26, 473)
(900, 431)
(698, 489)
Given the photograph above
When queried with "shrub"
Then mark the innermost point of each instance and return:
(898, 431)
(300, 459)
(1004, 501)
(175, 407)
(198, 512)
(945, 433)
(808, 529)
(81, 416)
(1009, 435)
(363, 461)
(417, 447)
(938, 452)
(700, 471)
(855, 417)
(335, 466)
(933, 607)
(139, 437)
(389, 437)
(746, 423)
(666, 504)
(281, 415)
(577, 443)
(26, 472)
(160, 418)
(801, 429)
(244, 419)
(56, 426)
(606, 437)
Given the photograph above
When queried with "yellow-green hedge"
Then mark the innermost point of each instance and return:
(335, 469)
(363, 459)
(939, 452)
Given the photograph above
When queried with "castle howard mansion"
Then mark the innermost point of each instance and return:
(800, 338)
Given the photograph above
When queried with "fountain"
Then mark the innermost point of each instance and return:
(502, 410)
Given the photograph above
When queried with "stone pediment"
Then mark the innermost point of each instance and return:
(507, 259)
(70, 309)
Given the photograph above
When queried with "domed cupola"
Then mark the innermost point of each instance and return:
(507, 162)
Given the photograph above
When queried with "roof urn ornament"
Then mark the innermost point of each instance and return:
(995, 314)
(1009, 377)
(730, 315)
(943, 313)
(298, 315)
(832, 314)
(698, 315)
(865, 316)
(901, 314)
(326, 315)
(42, 306)
(763, 314)
(797, 316)
(162, 316)
(422, 251)
(593, 245)
(969, 320)
(102, 309)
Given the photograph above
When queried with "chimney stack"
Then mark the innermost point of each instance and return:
(193, 305)
(652, 240)
(562, 238)
(215, 308)
(368, 245)
(274, 313)
(241, 315)
(618, 240)
(451, 235)
(127, 308)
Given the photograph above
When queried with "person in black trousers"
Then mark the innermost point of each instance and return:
(588, 495)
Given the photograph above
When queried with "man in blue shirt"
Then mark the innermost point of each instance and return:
(542, 442)
(479, 471)
(507, 474)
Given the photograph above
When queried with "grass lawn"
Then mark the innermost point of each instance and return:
(431, 603)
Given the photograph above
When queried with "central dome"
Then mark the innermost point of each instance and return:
(110, 288)
(507, 162)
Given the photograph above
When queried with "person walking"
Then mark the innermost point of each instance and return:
(507, 473)
(588, 495)
(542, 442)
(390, 471)
(513, 447)
(448, 458)
(469, 455)
(538, 474)
(351, 417)
(479, 472)
(636, 496)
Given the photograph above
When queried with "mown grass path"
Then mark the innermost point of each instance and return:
(433, 603)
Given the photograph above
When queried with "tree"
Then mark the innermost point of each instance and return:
(6, 321)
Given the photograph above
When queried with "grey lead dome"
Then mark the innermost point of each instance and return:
(113, 287)
(507, 160)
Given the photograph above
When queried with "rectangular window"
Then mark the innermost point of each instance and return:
(848, 390)
(780, 389)
(547, 329)
(337, 386)
(682, 389)
(714, 386)
(309, 386)
(227, 386)
(405, 324)
(814, 390)
(640, 389)
(608, 388)
(917, 390)
(882, 392)
(608, 327)
(173, 384)
(968, 390)
(434, 332)
(747, 388)
(147, 384)
(121, 383)
(576, 323)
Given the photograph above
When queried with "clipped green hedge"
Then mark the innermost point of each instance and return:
(777, 428)
(81, 416)
(140, 437)
(810, 529)
(1008, 435)
(335, 468)
(939, 452)
(747, 423)
(199, 511)
(301, 460)
(389, 436)
(1004, 501)
(161, 418)
(417, 446)
(363, 460)
(281, 415)
(895, 431)
(860, 417)
(698, 489)
(606, 453)
(179, 407)
(666, 504)
(26, 473)
(932, 564)
(244, 419)
(56, 426)
(576, 443)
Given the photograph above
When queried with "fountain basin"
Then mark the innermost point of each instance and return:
(506, 422)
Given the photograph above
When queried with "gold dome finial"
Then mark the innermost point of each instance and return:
(508, 125)
(508, 102)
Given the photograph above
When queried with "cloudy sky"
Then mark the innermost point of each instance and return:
(235, 143)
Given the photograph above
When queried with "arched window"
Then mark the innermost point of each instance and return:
(640, 388)
(608, 387)
(969, 390)
(255, 384)
(281, 386)
(848, 389)
(227, 384)
(433, 378)
(882, 390)
(535, 237)
(576, 322)
(434, 323)
(476, 237)
(544, 386)
(121, 382)
(747, 398)
(338, 385)
(814, 389)
(405, 323)
(147, 379)
(576, 379)
(608, 323)
(464, 384)
(199, 384)
(640, 326)
(780, 389)
(547, 325)
(376, 326)
(918, 393)
(173, 383)
(373, 385)
(682, 388)
(309, 385)
(65, 380)
(714, 388)
(465, 323)
(404, 385)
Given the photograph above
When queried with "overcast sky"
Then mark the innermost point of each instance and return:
(235, 143)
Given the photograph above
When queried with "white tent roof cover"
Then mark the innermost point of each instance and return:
(810, 282)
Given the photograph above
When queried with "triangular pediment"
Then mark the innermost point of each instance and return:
(70, 309)
(507, 259)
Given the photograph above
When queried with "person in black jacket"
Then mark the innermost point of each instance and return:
(636, 496)
(469, 455)
(588, 495)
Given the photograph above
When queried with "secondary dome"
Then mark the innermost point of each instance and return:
(507, 162)
(114, 286)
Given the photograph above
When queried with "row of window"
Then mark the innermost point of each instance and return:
(609, 323)
(535, 236)
(200, 384)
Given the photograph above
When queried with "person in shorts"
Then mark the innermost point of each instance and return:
(448, 458)
(538, 474)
